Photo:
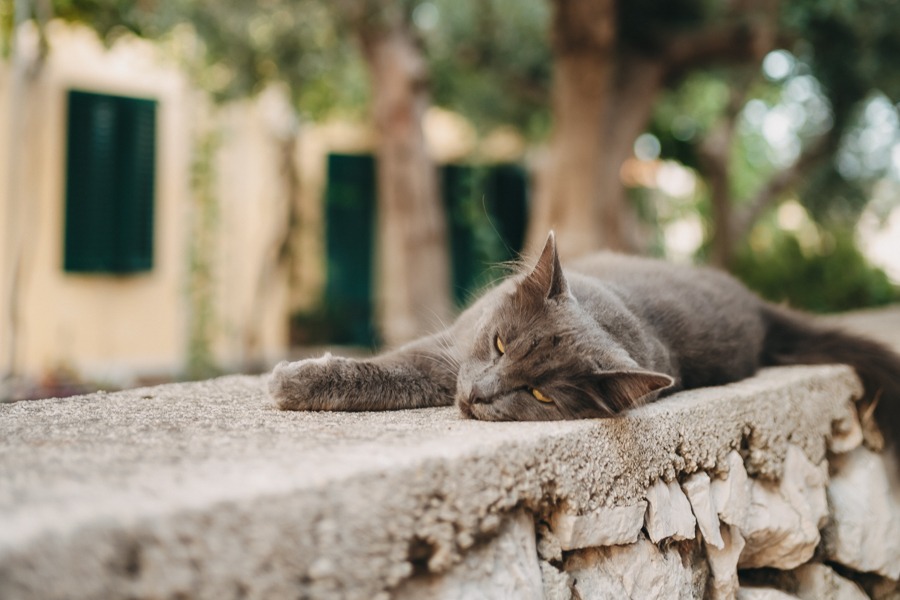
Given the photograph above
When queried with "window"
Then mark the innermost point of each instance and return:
(110, 171)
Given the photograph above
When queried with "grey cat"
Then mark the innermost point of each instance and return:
(606, 334)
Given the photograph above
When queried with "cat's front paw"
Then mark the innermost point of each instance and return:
(305, 384)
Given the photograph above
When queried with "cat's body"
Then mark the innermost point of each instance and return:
(609, 332)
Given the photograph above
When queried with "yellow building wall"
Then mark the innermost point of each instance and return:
(120, 328)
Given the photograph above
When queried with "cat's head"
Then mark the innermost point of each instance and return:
(539, 356)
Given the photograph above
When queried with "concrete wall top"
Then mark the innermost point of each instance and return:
(204, 490)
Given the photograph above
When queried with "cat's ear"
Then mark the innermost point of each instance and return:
(620, 390)
(547, 279)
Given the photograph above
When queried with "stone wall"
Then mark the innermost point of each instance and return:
(760, 489)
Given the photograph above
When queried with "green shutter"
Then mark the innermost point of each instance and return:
(486, 209)
(110, 172)
(349, 233)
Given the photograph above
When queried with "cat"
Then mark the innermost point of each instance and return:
(606, 334)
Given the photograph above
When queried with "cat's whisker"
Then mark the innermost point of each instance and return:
(443, 359)
(494, 227)
(449, 357)
(440, 360)
(438, 324)
(445, 350)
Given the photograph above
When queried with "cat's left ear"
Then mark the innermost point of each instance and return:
(620, 390)
(547, 277)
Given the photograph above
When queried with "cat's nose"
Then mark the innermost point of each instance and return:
(478, 396)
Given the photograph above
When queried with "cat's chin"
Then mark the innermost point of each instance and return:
(465, 410)
(480, 412)
(468, 411)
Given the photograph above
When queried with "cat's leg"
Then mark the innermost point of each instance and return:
(422, 373)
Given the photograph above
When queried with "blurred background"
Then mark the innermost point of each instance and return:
(194, 187)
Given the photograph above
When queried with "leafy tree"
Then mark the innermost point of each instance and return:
(612, 62)
(490, 61)
(830, 90)
(614, 65)
(826, 276)
(241, 47)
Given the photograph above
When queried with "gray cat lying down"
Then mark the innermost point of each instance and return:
(609, 332)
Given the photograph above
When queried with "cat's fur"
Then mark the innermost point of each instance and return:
(608, 333)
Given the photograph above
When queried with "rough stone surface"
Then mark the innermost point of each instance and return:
(882, 588)
(639, 570)
(610, 526)
(723, 581)
(782, 526)
(731, 494)
(669, 513)
(864, 533)
(815, 581)
(846, 434)
(697, 489)
(547, 545)
(505, 567)
(763, 593)
(557, 584)
(203, 491)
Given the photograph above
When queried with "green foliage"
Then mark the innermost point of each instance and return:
(243, 46)
(838, 95)
(643, 24)
(247, 45)
(490, 60)
(201, 362)
(850, 45)
(685, 114)
(828, 276)
(7, 23)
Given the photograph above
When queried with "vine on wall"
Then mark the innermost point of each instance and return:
(201, 362)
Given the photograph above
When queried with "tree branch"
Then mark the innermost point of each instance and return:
(738, 39)
(714, 154)
(583, 26)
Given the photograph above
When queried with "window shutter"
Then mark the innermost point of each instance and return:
(110, 172)
(486, 209)
(350, 213)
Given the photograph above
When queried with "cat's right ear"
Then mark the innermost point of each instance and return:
(619, 390)
(546, 278)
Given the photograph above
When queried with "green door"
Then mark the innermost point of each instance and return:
(350, 219)
(487, 211)
(486, 208)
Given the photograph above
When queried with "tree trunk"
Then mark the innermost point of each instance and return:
(596, 213)
(715, 163)
(638, 84)
(580, 193)
(569, 196)
(413, 262)
(715, 154)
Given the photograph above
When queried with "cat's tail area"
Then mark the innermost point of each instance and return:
(796, 339)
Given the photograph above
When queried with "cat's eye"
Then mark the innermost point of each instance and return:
(499, 343)
(537, 394)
